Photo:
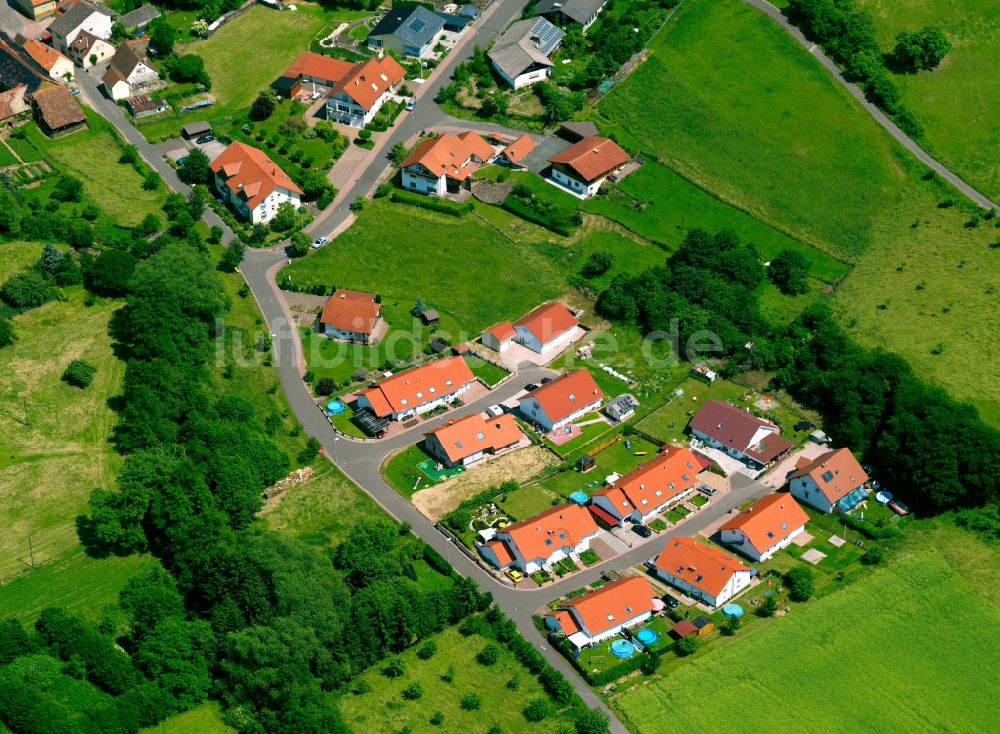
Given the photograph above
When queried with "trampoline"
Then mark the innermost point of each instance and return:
(622, 649)
(732, 610)
(579, 496)
(647, 636)
(335, 406)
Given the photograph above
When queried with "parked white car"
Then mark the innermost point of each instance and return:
(319, 242)
(494, 410)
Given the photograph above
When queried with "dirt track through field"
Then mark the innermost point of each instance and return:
(437, 501)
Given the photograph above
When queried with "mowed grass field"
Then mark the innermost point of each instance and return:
(901, 650)
(382, 708)
(47, 469)
(956, 103)
(92, 156)
(747, 114)
(205, 719)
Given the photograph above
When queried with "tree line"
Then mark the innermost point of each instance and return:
(935, 450)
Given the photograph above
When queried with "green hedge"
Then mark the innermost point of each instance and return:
(433, 203)
(605, 676)
(518, 207)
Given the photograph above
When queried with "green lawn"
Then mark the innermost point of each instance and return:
(402, 473)
(486, 371)
(669, 205)
(916, 615)
(821, 171)
(206, 719)
(381, 708)
(323, 510)
(527, 501)
(24, 149)
(668, 422)
(6, 156)
(92, 156)
(404, 253)
(956, 103)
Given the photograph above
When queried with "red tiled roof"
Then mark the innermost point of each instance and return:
(351, 311)
(319, 67)
(519, 148)
(502, 331)
(613, 604)
(603, 515)
(416, 385)
(44, 55)
(57, 107)
(684, 628)
(659, 480)
(366, 82)
(502, 552)
(836, 473)
(703, 566)
(548, 321)
(592, 157)
(448, 153)
(768, 520)
(474, 433)
(567, 622)
(561, 525)
(249, 173)
(566, 394)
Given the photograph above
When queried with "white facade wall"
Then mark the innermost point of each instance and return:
(525, 79)
(739, 540)
(806, 490)
(580, 188)
(528, 339)
(605, 503)
(583, 637)
(558, 553)
(409, 412)
(341, 108)
(97, 24)
(737, 583)
(533, 410)
(343, 334)
(423, 184)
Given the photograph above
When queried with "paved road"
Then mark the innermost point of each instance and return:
(880, 117)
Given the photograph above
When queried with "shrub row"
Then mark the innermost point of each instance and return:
(559, 225)
(434, 204)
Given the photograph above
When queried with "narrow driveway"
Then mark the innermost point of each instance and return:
(880, 117)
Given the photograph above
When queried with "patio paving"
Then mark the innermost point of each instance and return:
(802, 539)
(837, 541)
(813, 556)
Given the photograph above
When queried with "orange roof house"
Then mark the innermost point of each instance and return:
(651, 486)
(444, 162)
(743, 435)
(583, 166)
(604, 612)
(834, 480)
(562, 400)
(254, 184)
(499, 336)
(767, 526)
(702, 571)
(545, 538)
(57, 65)
(514, 153)
(468, 439)
(360, 93)
(417, 389)
(350, 315)
(310, 67)
(541, 328)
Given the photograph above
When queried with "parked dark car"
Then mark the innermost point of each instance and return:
(641, 530)
(670, 601)
(546, 379)
(804, 426)
(205, 139)
(531, 386)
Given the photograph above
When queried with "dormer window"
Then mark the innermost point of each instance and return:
(419, 394)
(402, 401)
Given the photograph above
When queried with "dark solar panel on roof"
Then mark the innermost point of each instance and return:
(548, 35)
(416, 25)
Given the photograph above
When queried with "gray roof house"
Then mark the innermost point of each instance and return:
(521, 55)
(81, 17)
(407, 29)
(140, 17)
(564, 12)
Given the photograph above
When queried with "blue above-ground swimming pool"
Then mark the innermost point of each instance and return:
(732, 610)
(335, 406)
(579, 496)
(647, 636)
(622, 649)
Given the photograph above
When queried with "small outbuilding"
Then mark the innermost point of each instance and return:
(683, 629)
(196, 129)
(703, 624)
(430, 317)
(585, 463)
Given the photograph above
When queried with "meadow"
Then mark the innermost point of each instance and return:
(376, 704)
(205, 719)
(956, 102)
(820, 171)
(902, 644)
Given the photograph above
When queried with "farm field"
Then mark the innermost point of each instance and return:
(322, 510)
(48, 469)
(955, 103)
(820, 171)
(918, 614)
(381, 707)
(92, 156)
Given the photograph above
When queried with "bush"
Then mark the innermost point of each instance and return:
(538, 709)
(800, 583)
(27, 289)
(413, 691)
(7, 336)
(79, 373)
(427, 650)
(768, 607)
(442, 206)
(68, 188)
(325, 386)
(470, 702)
(687, 645)
(262, 108)
(489, 655)
(730, 626)
(874, 556)
(789, 271)
(394, 669)
(437, 718)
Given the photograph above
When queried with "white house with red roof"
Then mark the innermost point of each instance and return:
(559, 532)
(649, 489)
(582, 167)
(739, 433)
(253, 184)
(499, 336)
(832, 481)
(350, 316)
(444, 163)
(472, 438)
(417, 389)
(359, 95)
(513, 155)
(765, 527)
(605, 612)
(702, 571)
(546, 328)
(562, 400)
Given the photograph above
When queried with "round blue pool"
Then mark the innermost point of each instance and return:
(579, 496)
(622, 649)
(647, 636)
(732, 610)
(335, 406)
